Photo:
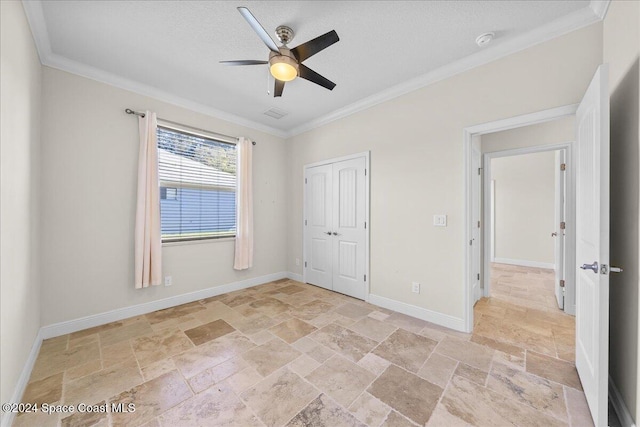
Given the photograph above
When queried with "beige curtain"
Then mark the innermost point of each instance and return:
(148, 240)
(244, 207)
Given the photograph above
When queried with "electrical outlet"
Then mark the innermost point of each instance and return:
(297, 261)
(168, 280)
(415, 287)
(440, 220)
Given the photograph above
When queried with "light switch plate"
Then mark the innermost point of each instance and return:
(440, 220)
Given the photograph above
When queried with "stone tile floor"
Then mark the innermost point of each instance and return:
(287, 353)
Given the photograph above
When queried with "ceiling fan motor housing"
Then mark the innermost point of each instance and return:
(284, 34)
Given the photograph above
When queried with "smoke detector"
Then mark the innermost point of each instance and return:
(484, 39)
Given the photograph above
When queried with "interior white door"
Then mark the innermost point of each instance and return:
(592, 244)
(349, 228)
(476, 243)
(319, 226)
(559, 217)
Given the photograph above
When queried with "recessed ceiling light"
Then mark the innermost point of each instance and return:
(484, 39)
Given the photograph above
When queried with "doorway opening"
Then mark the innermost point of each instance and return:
(480, 236)
(526, 210)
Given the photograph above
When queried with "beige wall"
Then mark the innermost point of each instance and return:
(621, 50)
(20, 86)
(547, 133)
(536, 173)
(417, 161)
(524, 208)
(90, 147)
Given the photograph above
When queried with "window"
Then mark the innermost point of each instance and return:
(197, 186)
(168, 193)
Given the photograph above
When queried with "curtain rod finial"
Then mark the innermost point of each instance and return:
(135, 113)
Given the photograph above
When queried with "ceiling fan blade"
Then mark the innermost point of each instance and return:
(279, 87)
(308, 74)
(310, 48)
(244, 62)
(259, 29)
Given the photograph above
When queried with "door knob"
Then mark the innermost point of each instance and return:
(593, 267)
(554, 234)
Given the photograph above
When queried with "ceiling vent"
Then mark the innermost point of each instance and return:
(276, 113)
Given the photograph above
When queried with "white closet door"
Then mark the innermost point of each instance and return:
(349, 238)
(319, 227)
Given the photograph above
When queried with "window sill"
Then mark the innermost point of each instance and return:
(198, 242)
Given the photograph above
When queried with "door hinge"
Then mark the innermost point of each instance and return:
(562, 283)
(365, 224)
(479, 171)
(305, 222)
(365, 277)
(478, 276)
(563, 167)
(365, 172)
(305, 180)
(478, 224)
(305, 263)
(563, 225)
(471, 242)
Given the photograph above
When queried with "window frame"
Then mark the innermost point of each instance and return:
(204, 134)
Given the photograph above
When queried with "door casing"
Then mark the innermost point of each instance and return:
(489, 229)
(467, 136)
(367, 157)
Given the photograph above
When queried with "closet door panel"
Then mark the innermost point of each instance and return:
(349, 233)
(319, 226)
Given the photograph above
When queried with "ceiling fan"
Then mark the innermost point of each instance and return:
(286, 64)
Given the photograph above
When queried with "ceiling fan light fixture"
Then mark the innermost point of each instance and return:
(283, 68)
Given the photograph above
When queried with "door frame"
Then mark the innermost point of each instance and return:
(467, 135)
(489, 227)
(367, 167)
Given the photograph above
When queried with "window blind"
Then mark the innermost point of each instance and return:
(197, 186)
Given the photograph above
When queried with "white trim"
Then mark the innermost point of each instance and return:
(523, 120)
(569, 306)
(441, 319)
(467, 134)
(295, 276)
(74, 325)
(525, 263)
(367, 216)
(624, 416)
(492, 223)
(23, 380)
(35, 17)
(600, 8)
(339, 159)
(566, 24)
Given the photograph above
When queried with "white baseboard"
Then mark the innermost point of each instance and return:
(23, 380)
(525, 263)
(419, 312)
(75, 325)
(295, 276)
(618, 404)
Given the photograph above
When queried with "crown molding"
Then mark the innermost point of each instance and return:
(571, 22)
(38, 25)
(74, 67)
(596, 11)
(600, 8)
(35, 17)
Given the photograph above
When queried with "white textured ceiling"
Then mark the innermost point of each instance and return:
(174, 47)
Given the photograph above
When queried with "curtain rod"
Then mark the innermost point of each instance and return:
(137, 113)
